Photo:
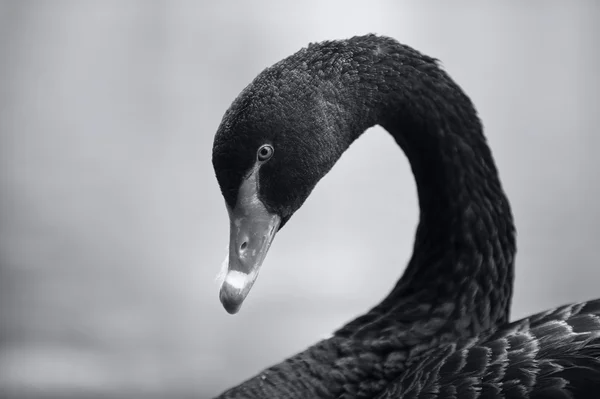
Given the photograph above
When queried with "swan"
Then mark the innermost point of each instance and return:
(443, 331)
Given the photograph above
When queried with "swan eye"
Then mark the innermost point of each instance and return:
(265, 152)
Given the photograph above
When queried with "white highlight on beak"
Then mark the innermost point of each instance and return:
(236, 279)
(223, 271)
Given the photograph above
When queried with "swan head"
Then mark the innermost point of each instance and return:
(277, 140)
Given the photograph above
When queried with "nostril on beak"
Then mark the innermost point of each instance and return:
(243, 245)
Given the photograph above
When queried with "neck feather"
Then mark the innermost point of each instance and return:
(461, 271)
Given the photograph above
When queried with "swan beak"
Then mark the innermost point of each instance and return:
(252, 229)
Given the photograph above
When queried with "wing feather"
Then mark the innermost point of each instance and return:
(553, 354)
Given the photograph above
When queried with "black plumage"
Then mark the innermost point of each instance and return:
(441, 332)
(554, 354)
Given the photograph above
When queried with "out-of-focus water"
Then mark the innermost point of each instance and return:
(112, 226)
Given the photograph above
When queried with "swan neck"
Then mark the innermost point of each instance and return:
(461, 270)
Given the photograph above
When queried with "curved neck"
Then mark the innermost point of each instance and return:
(462, 266)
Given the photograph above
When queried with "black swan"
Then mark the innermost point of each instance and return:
(443, 331)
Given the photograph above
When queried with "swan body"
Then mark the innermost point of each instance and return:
(442, 331)
(553, 354)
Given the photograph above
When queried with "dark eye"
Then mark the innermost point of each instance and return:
(265, 152)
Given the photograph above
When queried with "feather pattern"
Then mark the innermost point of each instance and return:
(553, 354)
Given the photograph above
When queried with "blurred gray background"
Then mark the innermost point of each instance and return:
(112, 226)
